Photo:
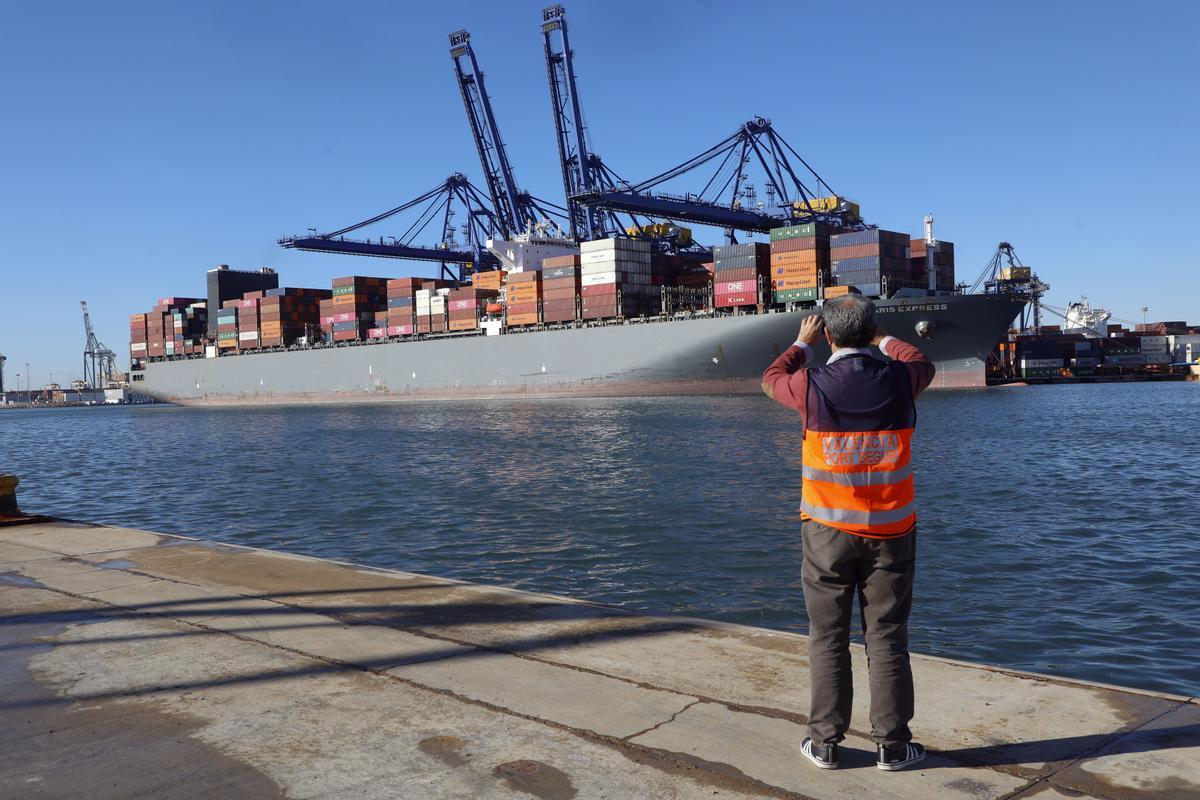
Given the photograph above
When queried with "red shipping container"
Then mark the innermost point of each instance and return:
(598, 289)
(727, 300)
(522, 308)
(345, 336)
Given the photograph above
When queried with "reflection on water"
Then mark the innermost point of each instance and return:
(1056, 529)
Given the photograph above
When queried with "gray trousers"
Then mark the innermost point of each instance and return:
(836, 566)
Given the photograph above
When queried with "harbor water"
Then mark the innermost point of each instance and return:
(1057, 524)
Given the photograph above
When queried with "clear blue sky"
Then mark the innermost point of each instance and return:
(143, 143)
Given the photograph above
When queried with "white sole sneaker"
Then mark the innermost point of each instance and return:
(807, 750)
(916, 754)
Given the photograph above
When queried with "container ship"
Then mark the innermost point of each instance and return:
(609, 317)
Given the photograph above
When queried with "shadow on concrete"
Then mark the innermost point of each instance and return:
(1070, 747)
(17, 633)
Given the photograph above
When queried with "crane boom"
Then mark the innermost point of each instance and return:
(514, 210)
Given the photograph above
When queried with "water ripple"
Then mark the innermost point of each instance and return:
(1056, 529)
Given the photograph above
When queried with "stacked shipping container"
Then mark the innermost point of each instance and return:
(287, 314)
(741, 274)
(800, 262)
(615, 278)
(350, 311)
(522, 298)
(401, 302)
(943, 264)
(875, 261)
(466, 306)
(560, 288)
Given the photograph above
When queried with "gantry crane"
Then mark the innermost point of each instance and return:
(727, 199)
(516, 210)
(582, 169)
(1005, 274)
(99, 363)
(441, 203)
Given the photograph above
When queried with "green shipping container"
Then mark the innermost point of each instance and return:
(796, 295)
(340, 290)
(800, 231)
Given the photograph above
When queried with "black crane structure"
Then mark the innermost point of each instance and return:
(99, 363)
(583, 170)
(596, 198)
(439, 205)
(727, 199)
(1006, 274)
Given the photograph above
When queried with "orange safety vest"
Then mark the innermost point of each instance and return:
(858, 448)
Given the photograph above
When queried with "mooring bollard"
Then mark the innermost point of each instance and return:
(8, 496)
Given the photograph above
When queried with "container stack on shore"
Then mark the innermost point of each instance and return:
(874, 261)
(615, 279)
(742, 274)
(522, 298)
(560, 288)
(800, 262)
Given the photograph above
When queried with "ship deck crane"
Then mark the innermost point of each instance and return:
(99, 363)
(516, 211)
(727, 199)
(1006, 274)
(439, 204)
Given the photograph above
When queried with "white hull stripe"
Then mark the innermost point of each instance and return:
(858, 478)
(851, 517)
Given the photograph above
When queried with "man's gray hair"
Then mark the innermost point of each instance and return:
(850, 320)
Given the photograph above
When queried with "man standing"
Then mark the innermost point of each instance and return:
(859, 528)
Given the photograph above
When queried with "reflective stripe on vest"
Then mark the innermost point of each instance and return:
(860, 481)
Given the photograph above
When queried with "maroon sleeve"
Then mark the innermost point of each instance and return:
(786, 382)
(920, 368)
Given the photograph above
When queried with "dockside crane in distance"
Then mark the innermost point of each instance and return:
(516, 211)
(440, 204)
(99, 363)
(727, 199)
(1006, 274)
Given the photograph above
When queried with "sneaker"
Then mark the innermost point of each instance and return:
(899, 756)
(824, 756)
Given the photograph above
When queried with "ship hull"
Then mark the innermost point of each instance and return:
(712, 355)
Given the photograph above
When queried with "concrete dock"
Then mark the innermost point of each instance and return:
(135, 664)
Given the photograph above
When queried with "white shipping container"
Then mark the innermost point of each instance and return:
(1154, 347)
(601, 256)
(246, 336)
(1036, 363)
(138, 347)
(628, 245)
(1157, 358)
(598, 279)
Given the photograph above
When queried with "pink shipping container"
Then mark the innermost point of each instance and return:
(735, 287)
(377, 333)
(400, 330)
